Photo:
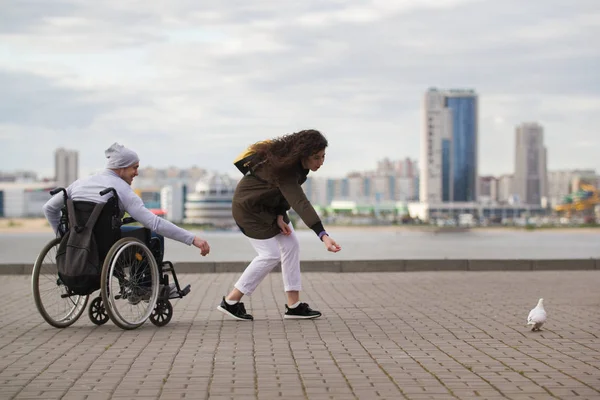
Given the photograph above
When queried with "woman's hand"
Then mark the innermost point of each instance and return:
(330, 244)
(285, 228)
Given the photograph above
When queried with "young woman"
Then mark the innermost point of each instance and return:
(262, 198)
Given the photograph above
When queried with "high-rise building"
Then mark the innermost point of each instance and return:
(407, 168)
(385, 167)
(172, 200)
(66, 166)
(436, 147)
(321, 191)
(531, 177)
(488, 189)
(448, 160)
(505, 188)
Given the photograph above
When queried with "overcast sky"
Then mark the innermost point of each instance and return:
(186, 83)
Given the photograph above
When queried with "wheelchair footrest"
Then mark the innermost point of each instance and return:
(186, 290)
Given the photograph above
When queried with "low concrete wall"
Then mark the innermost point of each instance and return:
(374, 266)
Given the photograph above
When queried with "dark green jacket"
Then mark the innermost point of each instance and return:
(257, 203)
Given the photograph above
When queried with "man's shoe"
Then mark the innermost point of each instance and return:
(302, 311)
(138, 294)
(170, 291)
(237, 310)
(134, 300)
(145, 293)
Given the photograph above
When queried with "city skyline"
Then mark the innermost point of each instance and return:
(49, 175)
(188, 86)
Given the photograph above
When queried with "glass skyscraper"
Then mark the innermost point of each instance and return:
(449, 147)
(463, 108)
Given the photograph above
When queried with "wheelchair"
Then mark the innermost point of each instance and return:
(134, 281)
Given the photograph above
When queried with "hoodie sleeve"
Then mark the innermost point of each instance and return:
(52, 210)
(134, 205)
(295, 196)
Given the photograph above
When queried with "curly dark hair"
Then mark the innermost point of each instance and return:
(285, 152)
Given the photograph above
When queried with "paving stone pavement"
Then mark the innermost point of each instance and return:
(422, 335)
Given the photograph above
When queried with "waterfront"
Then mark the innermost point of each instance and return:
(366, 244)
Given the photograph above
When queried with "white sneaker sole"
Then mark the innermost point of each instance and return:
(285, 316)
(224, 311)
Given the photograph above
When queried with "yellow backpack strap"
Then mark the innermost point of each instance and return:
(242, 161)
(244, 154)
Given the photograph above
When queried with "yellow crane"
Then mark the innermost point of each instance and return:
(584, 199)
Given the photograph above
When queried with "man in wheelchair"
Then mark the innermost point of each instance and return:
(121, 168)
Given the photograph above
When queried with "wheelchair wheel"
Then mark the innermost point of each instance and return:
(97, 312)
(50, 294)
(129, 283)
(163, 312)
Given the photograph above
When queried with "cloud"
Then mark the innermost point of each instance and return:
(28, 14)
(32, 100)
(191, 84)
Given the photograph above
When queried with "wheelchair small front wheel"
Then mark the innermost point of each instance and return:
(162, 313)
(51, 296)
(97, 312)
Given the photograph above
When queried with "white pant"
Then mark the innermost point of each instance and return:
(270, 251)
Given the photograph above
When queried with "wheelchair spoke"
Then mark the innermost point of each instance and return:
(132, 289)
(134, 306)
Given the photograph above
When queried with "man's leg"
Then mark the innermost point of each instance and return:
(157, 246)
(141, 276)
(161, 240)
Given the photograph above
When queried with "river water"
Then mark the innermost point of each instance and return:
(366, 244)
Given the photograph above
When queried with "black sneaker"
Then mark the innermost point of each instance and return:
(138, 294)
(237, 310)
(302, 311)
(170, 291)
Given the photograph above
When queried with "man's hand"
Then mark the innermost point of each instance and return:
(285, 228)
(202, 245)
(330, 244)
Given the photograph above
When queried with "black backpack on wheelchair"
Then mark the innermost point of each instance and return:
(79, 257)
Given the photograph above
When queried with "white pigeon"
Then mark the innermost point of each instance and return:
(537, 316)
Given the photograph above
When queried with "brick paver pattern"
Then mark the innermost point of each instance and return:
(422, 335)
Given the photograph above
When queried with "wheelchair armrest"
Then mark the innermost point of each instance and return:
(128, 220)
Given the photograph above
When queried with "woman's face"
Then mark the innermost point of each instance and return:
(315, 161)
